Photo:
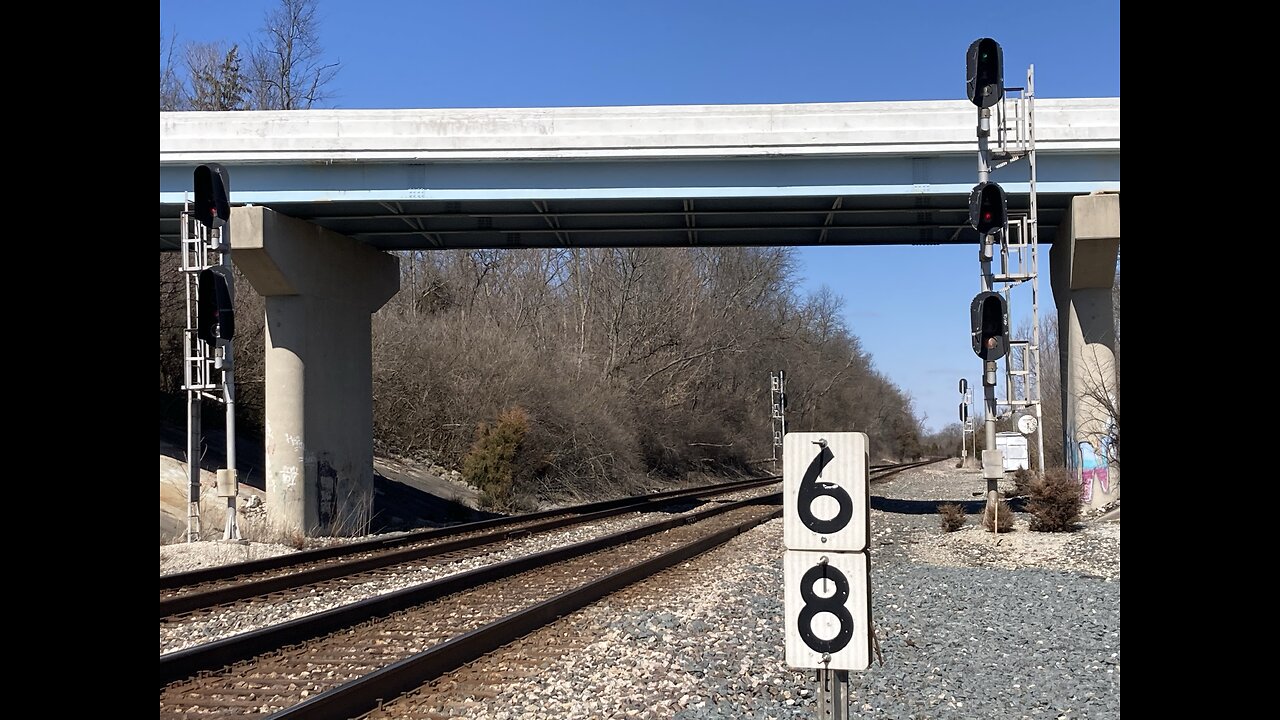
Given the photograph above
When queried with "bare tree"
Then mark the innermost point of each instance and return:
(215, 77)
(171, 96)
(1048, 379)
(630, 364)
(946, 441)
(172, 321)
(1112, 404)
(1101, 386)
(288, 67)
(1115, 309)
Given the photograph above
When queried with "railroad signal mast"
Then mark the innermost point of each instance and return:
(206, 230)
(778, 409)
(1016, 235)
(966, 425)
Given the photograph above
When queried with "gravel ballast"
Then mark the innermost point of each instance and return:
(969, 625)
(956, 643)
(218, 623)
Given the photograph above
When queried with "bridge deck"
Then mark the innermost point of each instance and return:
(832, 173)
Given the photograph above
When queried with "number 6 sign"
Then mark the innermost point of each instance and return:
(824, 491)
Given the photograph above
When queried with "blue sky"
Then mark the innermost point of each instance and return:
(504, 53)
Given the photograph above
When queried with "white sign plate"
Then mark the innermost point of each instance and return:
(1027, 424)
(825, 503)
(828, 610)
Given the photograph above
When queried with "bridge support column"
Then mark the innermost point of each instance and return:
(320, 289)
(1082, 266)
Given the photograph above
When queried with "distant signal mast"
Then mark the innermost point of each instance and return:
(778, 408)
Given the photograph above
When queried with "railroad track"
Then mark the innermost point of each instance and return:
(344, 566)
(884, 472)
(343, 662)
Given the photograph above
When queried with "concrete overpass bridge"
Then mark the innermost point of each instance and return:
(326, 191)
(836, 173)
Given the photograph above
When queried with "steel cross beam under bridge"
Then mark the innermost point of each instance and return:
(867, 173)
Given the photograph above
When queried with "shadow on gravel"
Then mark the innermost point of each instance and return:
(930, 507)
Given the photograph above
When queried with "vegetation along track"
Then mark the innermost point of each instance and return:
(381, 647)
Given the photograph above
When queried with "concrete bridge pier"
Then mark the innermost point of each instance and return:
(1082, 266)
(320, 290)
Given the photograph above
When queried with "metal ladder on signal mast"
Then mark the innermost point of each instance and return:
(198, 364)
(1019, 256)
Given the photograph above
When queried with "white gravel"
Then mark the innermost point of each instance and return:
(184, 557)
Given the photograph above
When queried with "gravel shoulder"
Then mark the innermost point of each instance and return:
(1092, 550)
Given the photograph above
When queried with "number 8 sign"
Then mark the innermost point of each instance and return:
(827, 607)
(824, 491)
